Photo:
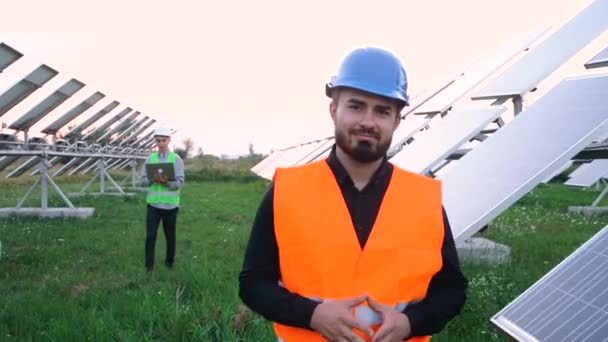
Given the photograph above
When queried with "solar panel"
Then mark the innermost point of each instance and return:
(130, 129)
(539, 63)
(558, 171)
(133, 137)
(119, 127)
(75, 132)
(426, 95)
(570, 303)
(47, 105)
(143, 139)
(322, 155)
(323, 146)
(511, 162)
(5, 161)
(73, 113)
(479, 72)
(257, 168)
(21, 169)
(411, 125)
(599, 61)
(8, 56)
(289, 158)
(99, 130)
(444, 138)
(25, 87)
(589, 174)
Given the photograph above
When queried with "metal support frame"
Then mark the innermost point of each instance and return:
(44, 180)
(44, 210)
(518, 104)
(132, 176)
(602, 194)
(102, 174)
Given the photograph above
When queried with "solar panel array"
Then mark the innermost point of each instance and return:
(589, 174)
(516, 158)
(479, 72)
(528, 72)
(456, 129)
(570, 303)
(121, 141)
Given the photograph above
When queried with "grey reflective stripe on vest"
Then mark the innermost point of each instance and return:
(163, 193)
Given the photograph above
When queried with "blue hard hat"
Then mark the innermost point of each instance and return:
(374, 71)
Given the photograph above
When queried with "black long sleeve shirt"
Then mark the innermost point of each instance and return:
(258, 280)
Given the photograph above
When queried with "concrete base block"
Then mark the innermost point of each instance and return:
(588, 211)
(48, 212)
(480, 250)
(115, 194)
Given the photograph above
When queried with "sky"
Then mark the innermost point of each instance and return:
(229, 73)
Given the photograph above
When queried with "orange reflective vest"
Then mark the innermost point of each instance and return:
(320, 256)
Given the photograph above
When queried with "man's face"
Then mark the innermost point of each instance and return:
(364, 124)
(162, 143)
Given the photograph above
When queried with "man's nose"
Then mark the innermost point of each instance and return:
(367, 119)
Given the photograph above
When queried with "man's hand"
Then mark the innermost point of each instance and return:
(334, 320)
(158, 178)
(395, 325)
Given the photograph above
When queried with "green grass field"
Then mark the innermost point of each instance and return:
(71, 279)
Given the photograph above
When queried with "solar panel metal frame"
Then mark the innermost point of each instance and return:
(24, 167)
(542, 290)
(406, 130)
(5, 161)
(119, 127)
(8, 56)
(517, 152)
(589, 174)
(25, 87)
(47, 105)
(133, 137)
(142, 139)
(130, 129)
(598, 61)
(76, 131)
(479, 72)
(543, 60)
(579, 169)
(91, 135)
(444, 138)
(80, 108)
(425, 96)
(558, 171)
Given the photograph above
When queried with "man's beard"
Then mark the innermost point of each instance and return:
(363, 152)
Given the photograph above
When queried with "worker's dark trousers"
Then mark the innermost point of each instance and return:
(153, 218)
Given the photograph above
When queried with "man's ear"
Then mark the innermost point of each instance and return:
(333, 108)
(397, 121)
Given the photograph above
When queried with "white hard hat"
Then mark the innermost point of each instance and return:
(162, 131)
